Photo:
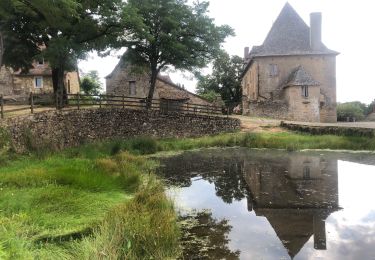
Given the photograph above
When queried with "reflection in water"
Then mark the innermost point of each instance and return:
(295, 192)
(206, 237)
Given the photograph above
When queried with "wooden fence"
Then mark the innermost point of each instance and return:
(78, 101)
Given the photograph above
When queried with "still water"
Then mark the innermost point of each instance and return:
(261, 204)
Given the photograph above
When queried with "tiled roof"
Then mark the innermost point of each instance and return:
(37, 70)
(174, 95)
(300, 77)
(289, 35)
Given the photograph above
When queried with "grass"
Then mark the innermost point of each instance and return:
(145, 228)
(285, 140)
(65, 207)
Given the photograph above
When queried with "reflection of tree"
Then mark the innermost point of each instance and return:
(204, 237)
(225, 172)
(229, 184)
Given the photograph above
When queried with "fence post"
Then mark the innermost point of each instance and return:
(78, 101)
(2, 105)
(100, 101)
(32, 102)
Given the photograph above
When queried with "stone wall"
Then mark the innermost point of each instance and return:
(24, 84)
(60, 129)
(268, 108)
(6, 81)
(331, 130)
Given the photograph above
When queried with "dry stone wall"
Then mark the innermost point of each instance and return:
(267, 108)
(60, 129)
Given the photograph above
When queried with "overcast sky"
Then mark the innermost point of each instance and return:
(347, 27)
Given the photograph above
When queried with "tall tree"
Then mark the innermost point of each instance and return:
(166, 33)
(60, 31)
(225, 79)
(91, 84)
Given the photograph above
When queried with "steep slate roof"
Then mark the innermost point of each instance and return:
(289, 35)
(300, 77)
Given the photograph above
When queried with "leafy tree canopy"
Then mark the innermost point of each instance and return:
(225, 79)
(91, 84)
(352, 110)
(164, 33)
(60, 31)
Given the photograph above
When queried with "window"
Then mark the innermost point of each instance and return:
(132, 88)
(273, 70)
(41, 61)
(69, 91)
(305, 91)
(38, 81)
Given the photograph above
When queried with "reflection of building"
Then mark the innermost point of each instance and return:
(296, 194)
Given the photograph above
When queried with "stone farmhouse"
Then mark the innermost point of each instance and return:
(38, 80)
(125, 80)
(292, 75)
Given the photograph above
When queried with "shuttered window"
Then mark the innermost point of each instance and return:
(273, 70)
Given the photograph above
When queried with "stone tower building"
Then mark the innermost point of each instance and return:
(292, 75)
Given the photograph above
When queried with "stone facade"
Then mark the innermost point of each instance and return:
(60, 129)
(288, 68)
(38, 80)
(125, 81)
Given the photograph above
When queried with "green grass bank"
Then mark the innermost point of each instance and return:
(77, 207)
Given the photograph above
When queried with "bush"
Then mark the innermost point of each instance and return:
(144, 145)
(354, 111)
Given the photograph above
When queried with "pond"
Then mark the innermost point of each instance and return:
(239, 203)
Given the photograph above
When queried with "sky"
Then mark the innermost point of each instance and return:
(346, 28)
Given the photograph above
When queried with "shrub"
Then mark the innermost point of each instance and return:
(144, 145)
(352, 110)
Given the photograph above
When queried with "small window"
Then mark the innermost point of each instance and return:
(41, 61)
(132, 88)
(38, 81)
(305, 91)
(69, 90)
(273, 70)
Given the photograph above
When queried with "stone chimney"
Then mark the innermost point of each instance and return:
(316, 31)
(246, 55)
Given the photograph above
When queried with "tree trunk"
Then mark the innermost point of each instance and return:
(55, 79)
(58, 85)
(154, 75)
(1, 48)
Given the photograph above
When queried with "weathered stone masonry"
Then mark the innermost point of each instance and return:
(61, 129)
